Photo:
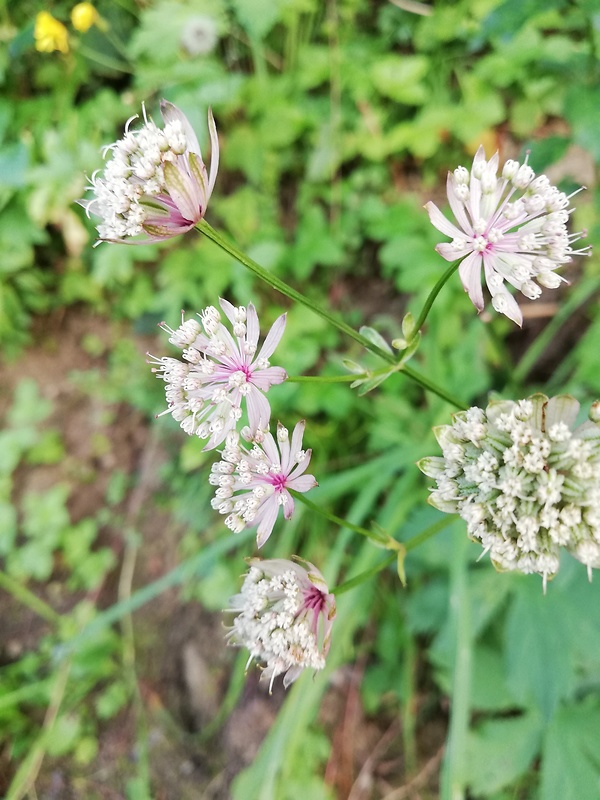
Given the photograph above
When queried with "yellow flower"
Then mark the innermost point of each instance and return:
(50, 34)
(83, 16)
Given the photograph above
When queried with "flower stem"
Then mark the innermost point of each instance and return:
(293, 294)
(425, 383)
(454, 767)
(28, 598)
(288, 291)
(343, 523)
(364, 576)
(326, 378)
(409, 545)
(432, 295)
(25, 777)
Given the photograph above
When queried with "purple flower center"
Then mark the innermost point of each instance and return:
(314, 599)
(278, 481)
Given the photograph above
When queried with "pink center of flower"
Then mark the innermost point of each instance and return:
(241, 376)
(278, 481)
(314, 599)
(484, 242)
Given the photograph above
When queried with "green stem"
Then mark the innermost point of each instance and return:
(288, 291)
(27, 773)
(454, 767)
(432, 295)
(425, 383)
(330, 378)
(28, 598)
(343, 523)
(195, 566)
(581, 294)
(409, 545)
(293, 294)
(364, 576)
(104, 60)
(432, 530)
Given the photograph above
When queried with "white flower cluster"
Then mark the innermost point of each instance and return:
(135, 170)
(284, 617)
(155, 183)
(220, 372)
(253, 483)
(526, 481)
(513, 225)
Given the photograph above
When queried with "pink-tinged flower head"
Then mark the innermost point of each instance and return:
(526, 479)
(253, 484)
(220, 372)
(284, 617)
(514, 226)
(155, 185)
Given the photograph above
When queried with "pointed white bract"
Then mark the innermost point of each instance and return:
(254, 482)
(155, 184)
(284, 615)
(220, 372)
(525, 479)
(514, 226)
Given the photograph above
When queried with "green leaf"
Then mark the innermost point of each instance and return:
(14, 160)
(48, 449)
(32, 560)
(28, 406)
(112, 699)
(314, 244)
(257, 17)
(65, 734)
(399, 78)
(500, 751)
(539, 639)
(582, 109)
(571, 759)
(8, 527)
(489, 688)
(45, 514)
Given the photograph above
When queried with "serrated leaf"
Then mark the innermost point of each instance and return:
(571, 758)
(489, 688)
(500, 751)
(539, 646)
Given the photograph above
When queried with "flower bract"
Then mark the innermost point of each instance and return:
(220, 372)
(284, 615)
(155, 185)
(254, 482)
(526, 479)
(514, 226)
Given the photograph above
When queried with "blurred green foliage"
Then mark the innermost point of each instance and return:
(336, 121)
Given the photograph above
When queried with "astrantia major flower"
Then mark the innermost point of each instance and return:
(514, 226)
(284, 617)
(155, 184)
(254, 482)
(525, 479)
(220, 371)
